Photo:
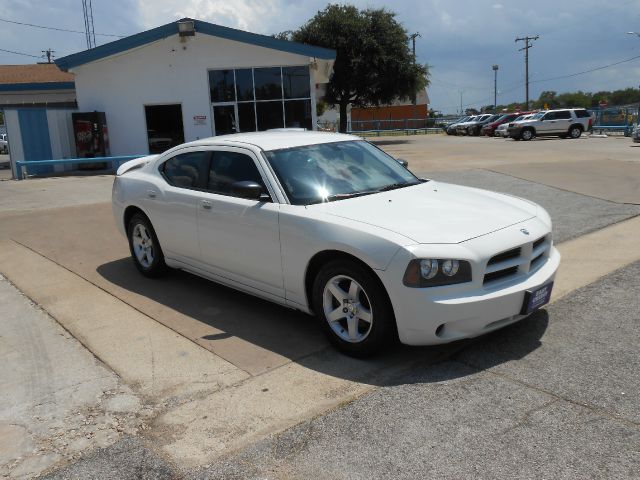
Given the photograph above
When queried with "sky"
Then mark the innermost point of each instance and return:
(460, 39)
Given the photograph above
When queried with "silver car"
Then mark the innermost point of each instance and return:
(635, 134)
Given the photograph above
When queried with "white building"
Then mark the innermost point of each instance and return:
(190, 79)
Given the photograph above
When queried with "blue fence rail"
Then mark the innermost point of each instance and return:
(22, 166)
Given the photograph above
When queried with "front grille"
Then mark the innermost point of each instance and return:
(522, 259)
(538, 242)
(536, 260)
(493, 276)
(508, 255)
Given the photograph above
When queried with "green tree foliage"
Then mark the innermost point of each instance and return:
(587, 99)
(374, 64)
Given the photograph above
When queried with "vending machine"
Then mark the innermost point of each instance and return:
(92, 137)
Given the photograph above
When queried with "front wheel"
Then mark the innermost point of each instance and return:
(144, 246)
(526, 134)
(353, 308)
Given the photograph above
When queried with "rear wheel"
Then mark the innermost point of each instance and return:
(575, 131)
(353, 308)
(527, 134)
(144, 246)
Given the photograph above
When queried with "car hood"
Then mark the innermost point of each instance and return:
(433, 212)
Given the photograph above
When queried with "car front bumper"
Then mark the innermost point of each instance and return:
(436, 315)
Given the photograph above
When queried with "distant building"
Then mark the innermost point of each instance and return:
(191, 79)
(364, 118)
(37, 101)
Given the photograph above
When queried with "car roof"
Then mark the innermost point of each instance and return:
(274, 140)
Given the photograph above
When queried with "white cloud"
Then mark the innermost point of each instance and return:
(243, 14)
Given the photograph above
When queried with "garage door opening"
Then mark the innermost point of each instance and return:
(164, 127)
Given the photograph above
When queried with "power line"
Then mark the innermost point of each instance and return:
(56, 28)
(20, 53)
(586, 71)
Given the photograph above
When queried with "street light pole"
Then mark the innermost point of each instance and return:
(495, 87)
(413, 37)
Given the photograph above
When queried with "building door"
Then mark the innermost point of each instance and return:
(165, 128)
(225, 120)
(36, 144)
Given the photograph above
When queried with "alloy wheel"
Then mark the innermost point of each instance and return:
(347, 309)
(142, 245)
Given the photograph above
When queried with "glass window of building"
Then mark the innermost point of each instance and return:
(221, 83)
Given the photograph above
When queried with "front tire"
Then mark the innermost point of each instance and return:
(353, 308)
(144, 246)
(527, 134)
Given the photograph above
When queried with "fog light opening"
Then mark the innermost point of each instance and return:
(440, 330)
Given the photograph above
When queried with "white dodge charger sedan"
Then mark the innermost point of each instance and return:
(330, 225)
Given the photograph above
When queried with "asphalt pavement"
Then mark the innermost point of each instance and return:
(573, 214)
(554, 396)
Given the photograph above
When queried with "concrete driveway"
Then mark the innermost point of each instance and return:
(214, 371)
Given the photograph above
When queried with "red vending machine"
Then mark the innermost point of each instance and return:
(92, 137)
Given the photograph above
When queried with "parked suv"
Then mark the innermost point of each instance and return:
(569, 122)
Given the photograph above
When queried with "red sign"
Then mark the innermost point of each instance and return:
(603, 103)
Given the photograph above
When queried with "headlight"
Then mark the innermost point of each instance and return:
(432, 272)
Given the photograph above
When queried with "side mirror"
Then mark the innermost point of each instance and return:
(248, 189)
(403, 162)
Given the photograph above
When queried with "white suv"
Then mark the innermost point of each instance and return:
(567, 122)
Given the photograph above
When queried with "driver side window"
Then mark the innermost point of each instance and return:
(226, 168)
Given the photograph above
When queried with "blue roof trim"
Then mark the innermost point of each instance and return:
(158, 33)
(19, 87)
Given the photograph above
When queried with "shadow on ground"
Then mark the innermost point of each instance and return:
(297, 336)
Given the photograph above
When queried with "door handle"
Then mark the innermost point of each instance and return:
(206, 204)
(151, 193)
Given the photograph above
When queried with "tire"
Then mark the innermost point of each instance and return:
(348, 290)
(527, 134)
(146, 252)
(575, 132)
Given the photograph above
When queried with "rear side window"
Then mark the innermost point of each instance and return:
(582, 114)
(563, 114)
(187, 170)
(230, 167)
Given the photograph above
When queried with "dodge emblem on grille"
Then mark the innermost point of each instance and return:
(525, 231)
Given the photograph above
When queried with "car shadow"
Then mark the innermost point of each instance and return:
(294, 335)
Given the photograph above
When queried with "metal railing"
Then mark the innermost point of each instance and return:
(22, 166)
(405, 126)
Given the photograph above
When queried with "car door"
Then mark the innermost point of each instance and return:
(239, 238)
(546, 123)
(563, 121)
(172, 205)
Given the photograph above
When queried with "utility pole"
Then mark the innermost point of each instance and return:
(48, 53)
(461, 92)
(413, 37)
(495, 87)
(526, 48)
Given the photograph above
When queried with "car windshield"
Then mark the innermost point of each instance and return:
(537, 115)
(336, 171)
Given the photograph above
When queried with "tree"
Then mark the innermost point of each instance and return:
(373, 65)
